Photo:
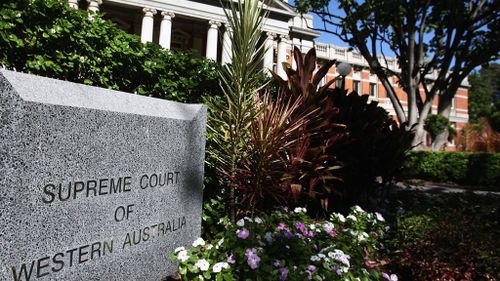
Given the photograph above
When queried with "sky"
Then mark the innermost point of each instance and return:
(326, 37)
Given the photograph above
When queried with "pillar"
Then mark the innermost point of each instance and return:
(282, 44)
(166, 29)
(93, 5)
(212, 34)
(269, 55)
(73, 4)
(147, 25)
(227, 46)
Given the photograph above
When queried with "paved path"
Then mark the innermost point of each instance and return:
(433, 188)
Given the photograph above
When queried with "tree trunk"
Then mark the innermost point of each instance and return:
(440, 141)
(418, 142)
(444, 109)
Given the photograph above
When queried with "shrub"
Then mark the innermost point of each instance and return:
(457, 167)
(436, 124)
(345, 145)
(230, 117)
(289, 246)
(376, 147)
(48, 38)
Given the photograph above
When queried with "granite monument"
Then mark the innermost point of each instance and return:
(95, 184)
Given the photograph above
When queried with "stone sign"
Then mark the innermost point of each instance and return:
(95, 184)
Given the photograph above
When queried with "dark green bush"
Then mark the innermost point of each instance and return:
(456, 167)
(48, 38)
(436, 124)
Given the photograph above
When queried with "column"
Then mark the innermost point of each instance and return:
(73, 4)
(227, 46)
(269, 55)
(93, 5)
(166, 29)
(282, 55)
(212, 35)
(147, 25)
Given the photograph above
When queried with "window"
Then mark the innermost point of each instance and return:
(356, 86)
(373, 90)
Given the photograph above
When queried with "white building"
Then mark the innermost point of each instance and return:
(200, 25)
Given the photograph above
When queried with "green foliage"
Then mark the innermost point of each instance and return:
(230, 117)
(445, 236)
(213, 211)
(458, 167)
(495, 121)
(484, 94)
(376, 146)
(285, 245)
(344, 145)
(436, 124)
(480, 97)
(48, 38)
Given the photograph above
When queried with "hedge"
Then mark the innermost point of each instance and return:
(482, 169)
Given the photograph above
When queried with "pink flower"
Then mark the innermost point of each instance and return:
(282, 226)
(368, 263)
(252, 258)
(242, 233)
(283, 273)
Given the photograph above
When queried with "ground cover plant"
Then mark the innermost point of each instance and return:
(288, 245)
(444, 236)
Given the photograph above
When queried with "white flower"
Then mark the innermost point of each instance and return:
(240, 223)
(219, 266)
(202, 264)
(269, 237)
(392, 277)
(183, 255)
(220, 242)
(358, 209)
(257, 220)
(339, 255)
(199, 242)
(328, 226)
(340, 217)
(300, 210)
(315, 258)
(362, 236)
(351, 217)
(209, 246)
(379, 216)
(248, 219)
(179, 249)
(312, 226)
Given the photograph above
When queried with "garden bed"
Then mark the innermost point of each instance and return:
(444, 236)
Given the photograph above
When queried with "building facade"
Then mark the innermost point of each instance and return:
(200, 26)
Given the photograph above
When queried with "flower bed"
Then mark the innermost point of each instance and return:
(289, 246)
